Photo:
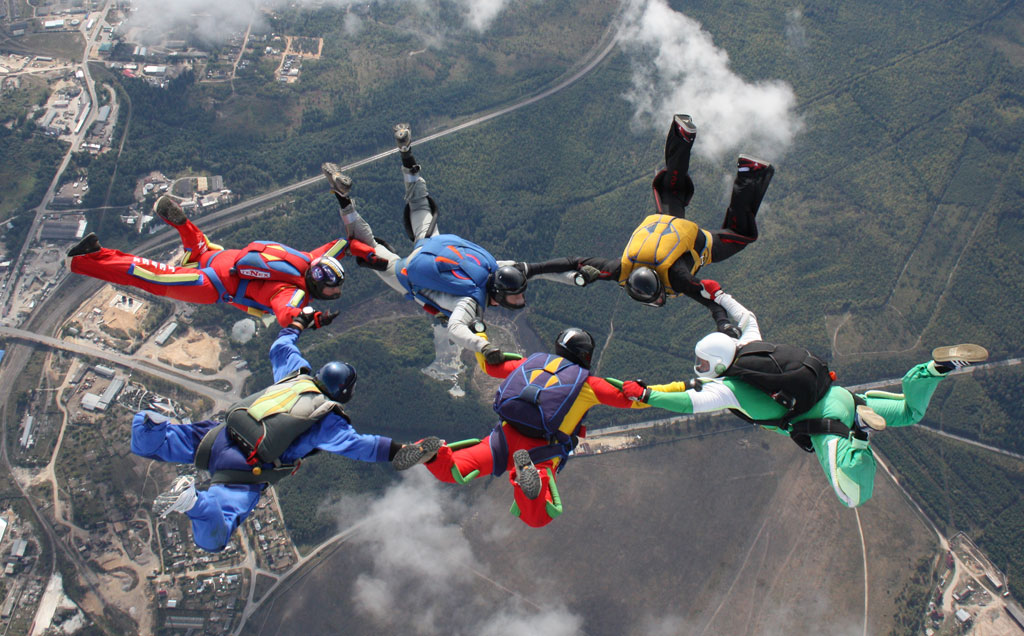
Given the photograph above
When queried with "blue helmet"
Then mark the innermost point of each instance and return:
(337, 380)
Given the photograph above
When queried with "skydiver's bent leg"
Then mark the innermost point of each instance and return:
(218, 511)
(904, 410)
(740, 226)
(155, 437)
(159, 279)
(848, 465)
(672, 186)
(546, 507)
(464, 460)
(196, 244)
(420, 214)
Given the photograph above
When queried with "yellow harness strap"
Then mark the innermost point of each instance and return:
(280, 399)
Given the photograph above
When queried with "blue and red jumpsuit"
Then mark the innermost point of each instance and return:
(493, 456)
(262, 278)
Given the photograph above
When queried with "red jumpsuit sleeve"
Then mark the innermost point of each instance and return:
(360, 249)
(607, 394)
(335, 248)
(286, 301)
(502, 370)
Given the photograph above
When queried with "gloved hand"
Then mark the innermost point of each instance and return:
(730, 330)
(586, 275)
(636, 390)
(694, 384)
(710, 289)
(492, 354)
(372, 261)
(310, 317)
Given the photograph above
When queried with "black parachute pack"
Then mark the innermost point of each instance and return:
(793, 376)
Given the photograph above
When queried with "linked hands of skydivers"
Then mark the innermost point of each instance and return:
(636, 390)
(310, 317)
(586, 275)
(493, 354)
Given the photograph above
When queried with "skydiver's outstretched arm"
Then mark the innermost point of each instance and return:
(689, 285)
(563, 270)
(285, 356)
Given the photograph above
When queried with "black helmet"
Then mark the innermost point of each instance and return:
(507, 281)
(644, 285)
(324, 278)
(337, 380)
(575, 345)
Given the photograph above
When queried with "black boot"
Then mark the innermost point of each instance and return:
(87, 245)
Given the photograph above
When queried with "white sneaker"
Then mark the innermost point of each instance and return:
(403, 137)
(868, 420)
(180, 498)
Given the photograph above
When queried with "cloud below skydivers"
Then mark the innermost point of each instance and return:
(215, 22)
(676, 68)
(425, 577)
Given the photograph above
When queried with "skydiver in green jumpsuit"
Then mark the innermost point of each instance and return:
(847, 459)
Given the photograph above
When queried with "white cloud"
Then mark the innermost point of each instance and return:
(678, 69)
(425, 568)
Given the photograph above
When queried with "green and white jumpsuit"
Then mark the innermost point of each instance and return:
(849, 463)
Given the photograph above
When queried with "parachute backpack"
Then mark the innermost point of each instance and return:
(536, 397)
(450, 264)
(794, 377)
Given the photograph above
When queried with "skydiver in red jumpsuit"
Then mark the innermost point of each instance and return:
(261, 279)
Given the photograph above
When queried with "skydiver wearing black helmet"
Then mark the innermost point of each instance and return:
(447, 275)
(666, 251)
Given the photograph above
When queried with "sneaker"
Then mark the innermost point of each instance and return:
(868, 420)
(958, 356)
(421, 452)
(527, 475)
(746, 164)
(403, 137)
(169, 210)
(685, 126)
(339, 181)
(87, 245)
(180, 498)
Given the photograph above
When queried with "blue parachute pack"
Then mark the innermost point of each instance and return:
(450, 264)
(536, 397)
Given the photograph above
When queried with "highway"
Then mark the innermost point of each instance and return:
(184, 379)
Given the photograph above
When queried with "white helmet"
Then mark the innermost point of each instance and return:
(713, 354)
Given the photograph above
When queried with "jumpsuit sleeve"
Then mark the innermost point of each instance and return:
(285, 356)
(714, 396)
(335, 434)
(502, 370)
(742, 318)
(609, 268)
(335, 248)
(465, 313)
(608, 395)
(683, 282)
(286, 302)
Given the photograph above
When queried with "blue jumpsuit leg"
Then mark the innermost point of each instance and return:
(218, 511)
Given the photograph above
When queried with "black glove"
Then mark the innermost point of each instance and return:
(310, 317)
(492, 354)
(694, 384)
(729, 329)
(586, 275)
(372, 261)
